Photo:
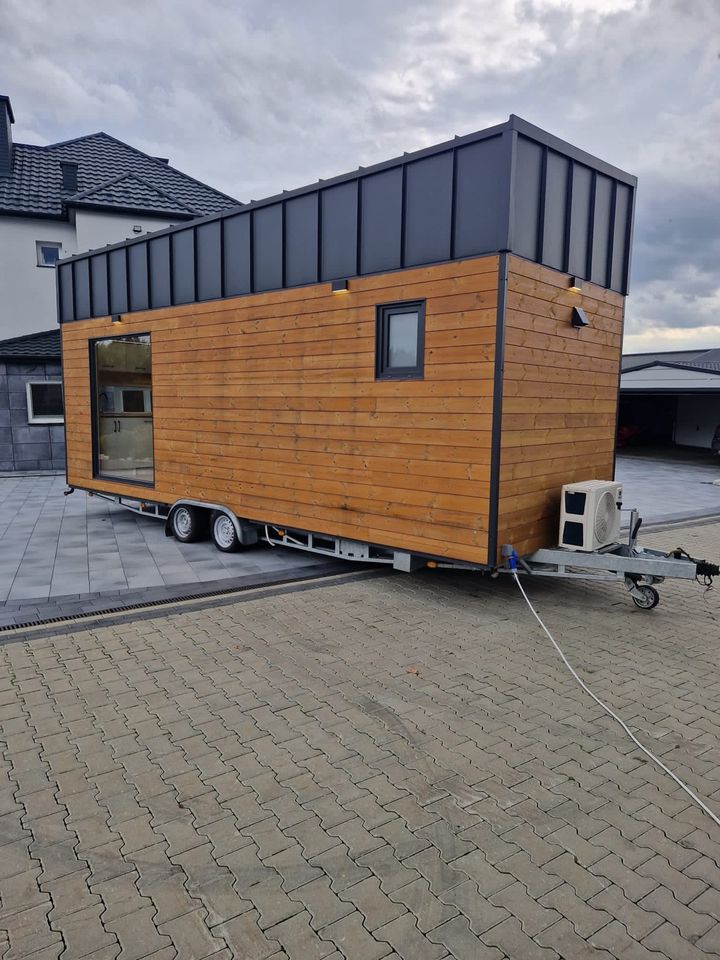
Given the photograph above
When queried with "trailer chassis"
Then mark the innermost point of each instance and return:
(638, 568)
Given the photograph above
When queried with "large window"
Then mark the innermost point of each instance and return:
(122, 403)
(400, 341)
(44, 401)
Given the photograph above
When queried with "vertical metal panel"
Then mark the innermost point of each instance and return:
(601, 230)
(268, 247)
(160, 285)
(480, 207)
(381, 221)
(66, 293)
(301, 240)
(428, 209)
(183, 266)
(528, 193)
(99, 277)
(339, 217)
(138, 277)
(580, 220)
(556, 196)
(82, 290)
(618, 268)
(209, 261)
(236, 255)
(117, 273)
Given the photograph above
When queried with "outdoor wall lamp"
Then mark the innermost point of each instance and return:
(116, 318)
(575, 284)
(579, 318)
(339, 286)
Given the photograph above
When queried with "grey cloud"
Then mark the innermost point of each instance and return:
(259, 96)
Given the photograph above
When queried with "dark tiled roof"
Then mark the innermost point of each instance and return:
(33, 346)
(132, 192)
(35, 185)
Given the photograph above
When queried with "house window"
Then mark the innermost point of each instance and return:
(400, 341)
(45, 402)
(48, 253)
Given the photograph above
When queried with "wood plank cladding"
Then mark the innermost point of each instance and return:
(560, 389)
(268, 404)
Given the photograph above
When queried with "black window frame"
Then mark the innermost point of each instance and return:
(383, 370)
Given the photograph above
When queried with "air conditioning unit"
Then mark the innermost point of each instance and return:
(590, 515)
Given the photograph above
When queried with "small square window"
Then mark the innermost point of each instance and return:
(400, 341)
(45, 402)
(48, 253)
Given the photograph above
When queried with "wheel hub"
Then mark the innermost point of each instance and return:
(224, 531)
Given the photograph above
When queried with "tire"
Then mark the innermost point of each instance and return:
(223, 532)
(649, 599)
(186, 524)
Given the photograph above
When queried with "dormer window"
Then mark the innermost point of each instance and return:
(48, 253)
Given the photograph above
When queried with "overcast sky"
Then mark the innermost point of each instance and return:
(254, 96)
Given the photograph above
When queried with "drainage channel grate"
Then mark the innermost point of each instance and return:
(148, 604)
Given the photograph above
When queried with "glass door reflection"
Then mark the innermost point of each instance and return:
(123, 408)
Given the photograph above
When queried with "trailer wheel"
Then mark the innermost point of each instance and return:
(223, 532)
(648, 599)
(186, 524)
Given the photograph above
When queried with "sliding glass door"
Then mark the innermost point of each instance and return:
(122, 401)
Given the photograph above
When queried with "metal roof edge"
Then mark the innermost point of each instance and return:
(457, 141)
(674, 366)
(529, 130)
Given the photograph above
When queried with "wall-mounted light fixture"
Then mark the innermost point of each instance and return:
(116, 318)
(339, 286)
(579, 318)
(575, 284)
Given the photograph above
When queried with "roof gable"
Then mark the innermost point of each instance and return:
(133, 193)
(35, 186)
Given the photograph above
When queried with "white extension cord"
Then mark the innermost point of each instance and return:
(693, 796)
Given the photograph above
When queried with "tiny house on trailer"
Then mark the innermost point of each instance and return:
(403, 363)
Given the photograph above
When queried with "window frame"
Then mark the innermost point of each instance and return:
(32, 419)
(39, 244)
(94, 412)
(383, 370)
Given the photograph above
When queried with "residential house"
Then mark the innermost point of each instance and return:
(58, 200)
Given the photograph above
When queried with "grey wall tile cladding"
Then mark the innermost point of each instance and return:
(23, 445)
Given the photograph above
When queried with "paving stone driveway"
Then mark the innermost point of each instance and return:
(385, 767)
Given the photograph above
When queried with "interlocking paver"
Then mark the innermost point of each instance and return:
(353, 940)
(407, 941)
(176, 784)
(456, 936)
(321, 903)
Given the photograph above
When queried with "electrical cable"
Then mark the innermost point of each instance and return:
(693, 796)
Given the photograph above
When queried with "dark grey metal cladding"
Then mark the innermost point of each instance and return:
(237, 254)
(511, 188)
(183, 266)
(117, 273)
(482, 176)
(381, 208)
(159, 263)
(268, 248)
(428, 210)
(570, 216)
(301, 240)
(99, 285)
(209, 261)
(82, 290)
(339, 232)
(138, 289)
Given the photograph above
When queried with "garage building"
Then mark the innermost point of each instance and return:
(670, 398)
